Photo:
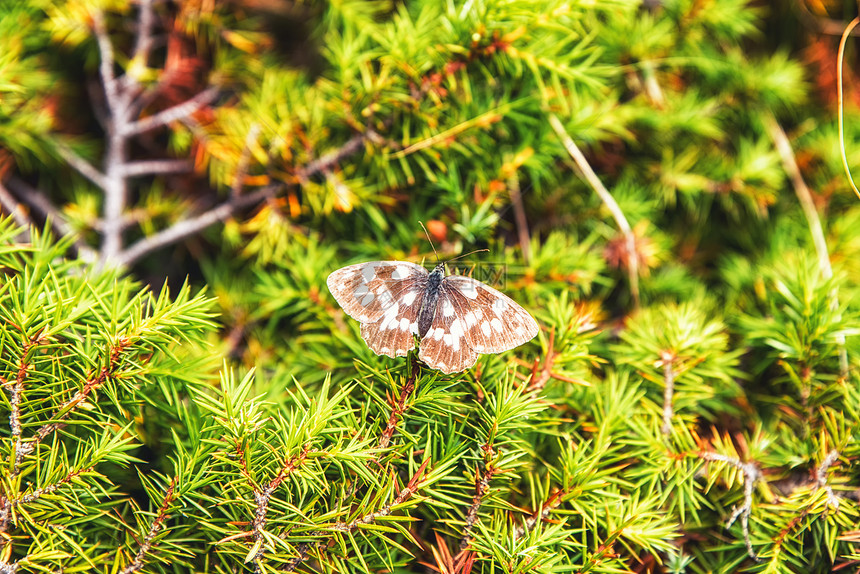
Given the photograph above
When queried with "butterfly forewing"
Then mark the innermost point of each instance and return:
(385, 297)
(491, 321)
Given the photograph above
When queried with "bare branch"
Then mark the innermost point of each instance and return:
(751, 474)
(244, 160)
(39, 202)
(106, 62)
(608, 200)
(520, 216)
(189, 227)
(145, 23)
(821, 477)
(82, 166)
(804, 196)
(351, 146)
(172, 114)
(155, 167)
(11, 205)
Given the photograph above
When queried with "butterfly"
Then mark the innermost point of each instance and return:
(455, 317)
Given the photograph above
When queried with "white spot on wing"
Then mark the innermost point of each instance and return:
(468, 289)
(485, 329)
(404, 324)
(361, 290)
(409, 298)
(499, 306)
(400, 272)
(456, 328)
(367, 299)
(470, 319)
(447, 308)
(497, 325)
(368, 272)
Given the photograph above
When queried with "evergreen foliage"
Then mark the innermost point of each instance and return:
(691, 403)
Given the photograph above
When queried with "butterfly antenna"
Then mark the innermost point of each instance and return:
(466, 254)
(430, 240)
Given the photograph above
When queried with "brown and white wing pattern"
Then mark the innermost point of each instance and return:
(491, 322)
(385, 297)
(444, 346)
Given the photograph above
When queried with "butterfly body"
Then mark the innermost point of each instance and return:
(454, 317)
(431, 296)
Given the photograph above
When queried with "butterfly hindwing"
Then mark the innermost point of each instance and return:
(491, 321)
(385, 297)
(444, 346)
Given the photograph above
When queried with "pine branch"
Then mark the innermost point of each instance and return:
(48, 489)
(346, 527)
(821, 477)
(667, 358)
(15, 394)
(82, 166)
(263, 496)
(148, 542)
(751, 474)
(398, 406)
(68, 407)
(482, 486)
(404, 495)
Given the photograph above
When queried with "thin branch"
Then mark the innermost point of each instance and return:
(398, 406)
(410, 489)
(827, 26)
(155, 167)
(171, 114)
(188, 227)
(262, 497)
(520, 217)
(821, 477)
(482, 486)
(82, 166)
(41, 204)
(70, 405)
(106, 63)
(401, 497)
(327, 161)
(804, 196)
(15, 209)
(48, 489)
(145, 24)
(751, 474)
(608, 200)
(244, 160)
(157, 524)
(668, 359)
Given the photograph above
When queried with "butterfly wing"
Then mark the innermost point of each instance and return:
(444, 346)
(491, 321)
(385, 297)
